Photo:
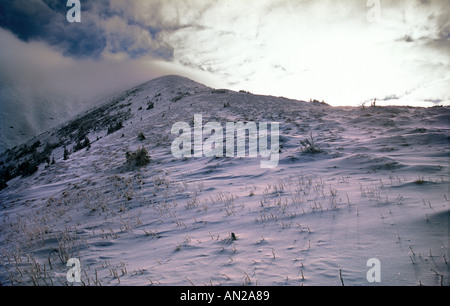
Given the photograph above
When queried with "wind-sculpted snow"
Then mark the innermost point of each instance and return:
(376, 189)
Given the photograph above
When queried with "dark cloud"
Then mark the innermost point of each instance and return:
(25, 19)
(45, 20)
(391, 97)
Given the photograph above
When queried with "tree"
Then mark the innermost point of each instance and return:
(87, 143)
(66, 154)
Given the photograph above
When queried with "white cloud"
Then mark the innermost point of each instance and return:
(324, 49)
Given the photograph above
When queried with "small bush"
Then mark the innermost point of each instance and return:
(141, 136)
(78, 146)
(420, 181)
(66, 154)
(87, 143)
(310, 146)
(219, 91)
(139, 158)
(81, 145)
(180, 95)
(115, 127)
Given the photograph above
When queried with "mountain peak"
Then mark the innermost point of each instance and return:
(151, 108)
(172, 81)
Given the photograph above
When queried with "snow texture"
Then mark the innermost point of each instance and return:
(378, 188)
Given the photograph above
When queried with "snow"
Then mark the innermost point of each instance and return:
(379, 189)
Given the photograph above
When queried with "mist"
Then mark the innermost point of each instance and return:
(40, 88)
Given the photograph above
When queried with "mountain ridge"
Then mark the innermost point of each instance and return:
(351, 184)
(170, 98)
(161, 94)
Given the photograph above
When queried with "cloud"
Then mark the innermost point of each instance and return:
(237, 40)
(46, 21)
(324, 49)
(133, 40)
(52, 69)
(105, 28)
(302, 49)
(40, 87)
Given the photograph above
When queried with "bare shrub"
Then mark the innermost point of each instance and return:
(310, 146)
(139, 158)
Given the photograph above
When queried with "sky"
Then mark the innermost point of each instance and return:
(343, 52)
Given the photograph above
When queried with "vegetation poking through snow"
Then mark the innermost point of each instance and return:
(81, 145)
(66, 154)
(310, 146)
(139, 158)
(141, 136)
(180, 95)
(115, 127)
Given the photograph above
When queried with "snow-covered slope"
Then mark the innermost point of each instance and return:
(379, 189)
(27, 110)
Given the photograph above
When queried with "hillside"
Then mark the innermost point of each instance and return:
(376, 187)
